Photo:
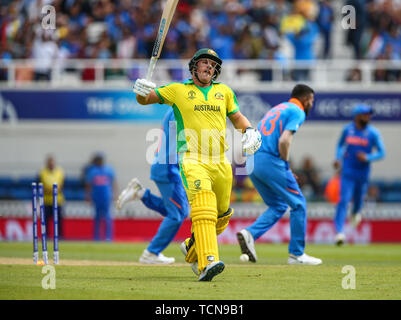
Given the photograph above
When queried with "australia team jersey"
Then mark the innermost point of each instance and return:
(353, 141)
(285, 116)
(165, 166)
(200, 114)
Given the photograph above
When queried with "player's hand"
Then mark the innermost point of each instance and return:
(251, 141)
(143, 87)
(362, 156)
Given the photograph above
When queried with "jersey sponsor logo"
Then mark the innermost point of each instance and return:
(219, 96)
(197, 184)
(101, 180)
(206, 107)
(191, 95)
(356, 141)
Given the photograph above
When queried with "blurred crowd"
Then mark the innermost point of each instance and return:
(236, 29)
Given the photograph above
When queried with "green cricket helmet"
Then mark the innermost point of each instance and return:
(209, 54)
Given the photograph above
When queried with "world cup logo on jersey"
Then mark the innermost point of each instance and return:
(191, 95)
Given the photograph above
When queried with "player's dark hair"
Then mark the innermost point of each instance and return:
(301, 90)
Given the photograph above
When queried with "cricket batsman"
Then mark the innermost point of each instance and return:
(201, 106)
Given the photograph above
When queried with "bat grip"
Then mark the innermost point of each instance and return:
(151, 68)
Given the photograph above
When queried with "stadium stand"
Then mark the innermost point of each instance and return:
(276, 31)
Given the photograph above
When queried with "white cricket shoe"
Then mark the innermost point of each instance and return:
(194, 265)
(247, 244)
(303, 259)
(151, 258)
(339, 239)
(211, 270)
(133, 191)
(356, 219)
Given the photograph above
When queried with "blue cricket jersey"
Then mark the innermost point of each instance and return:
(101, 180)
(165, 166)
(285, 116)
(353, 141)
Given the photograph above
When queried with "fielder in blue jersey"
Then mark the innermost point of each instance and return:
(101, 186)
(359, 145)
(274, 180)
(173, 203)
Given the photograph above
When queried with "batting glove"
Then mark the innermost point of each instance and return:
(251, 141)
(143, 87)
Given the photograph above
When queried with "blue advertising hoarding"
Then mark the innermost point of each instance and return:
(122, 105)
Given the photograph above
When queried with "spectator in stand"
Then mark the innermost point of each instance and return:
(354, 35)
(126, 48)
(44, 52)
(304, 40)
(325, 20)
(354, 75)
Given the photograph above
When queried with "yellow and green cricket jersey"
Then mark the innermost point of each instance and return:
(200, 114)
(48, 177)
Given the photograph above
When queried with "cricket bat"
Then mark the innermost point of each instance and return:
(167, 16)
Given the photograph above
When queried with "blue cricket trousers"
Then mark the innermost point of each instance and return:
(352, 189)
(173, 206)
(278, 188)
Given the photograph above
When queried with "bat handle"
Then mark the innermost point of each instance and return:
(151, 68)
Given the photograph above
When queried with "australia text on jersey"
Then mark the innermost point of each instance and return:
(207, 107)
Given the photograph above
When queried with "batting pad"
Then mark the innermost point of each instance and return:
(204, 218)
(221, 225)
(222, 221)
(191, 256)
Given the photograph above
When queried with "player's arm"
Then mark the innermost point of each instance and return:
(284, 144)
(381, 151)
(145, 92)
(151, 98)
(251, 139)
(239, 121)
(340, 151)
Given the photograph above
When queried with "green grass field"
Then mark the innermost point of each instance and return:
(109, 271)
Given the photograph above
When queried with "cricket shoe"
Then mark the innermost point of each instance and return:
(151, 258)
(303, 259)
(356, 219)
(184, 249)
(247, 244)
(339, 239)
(133, 191)
(211, 270)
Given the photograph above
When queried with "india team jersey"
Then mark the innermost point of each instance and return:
(353, 141)
(165, 163)
(101, 179)
(285, 116)
(200, 114)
